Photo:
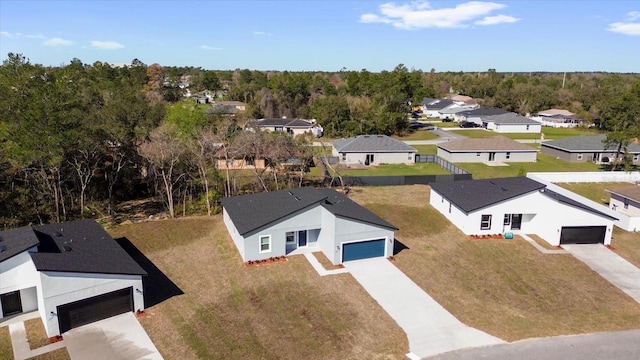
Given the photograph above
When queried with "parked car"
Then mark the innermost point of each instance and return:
(447, 119)
(421, 126)
(469, 124)
(415, 115)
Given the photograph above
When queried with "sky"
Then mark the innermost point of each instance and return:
(329, 35)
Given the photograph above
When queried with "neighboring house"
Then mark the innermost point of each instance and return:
(278, 223)
(290, 126)
(431, 107)
(557, 118)
(72, 273)
(511, 123)
(239, 164)
(451, 112)
(498, 149)
(373, 150)
(586, 148)
(626, 200)
(463, 99)
(227, 108)
(519, 205)
(477, 115)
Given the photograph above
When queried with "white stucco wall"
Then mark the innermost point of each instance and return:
(238, 240)
(59, 288)
(514, 128)
(616, 202)
(542, 216)
(483, 156)
(19, 273)
(348, 230)
(379, 158)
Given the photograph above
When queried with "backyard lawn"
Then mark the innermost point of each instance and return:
(397, 169)
(426, 149)
(593, 191)
(417, 135)
(503, 287)
(549, 133)
(545, 163)
(278, 311)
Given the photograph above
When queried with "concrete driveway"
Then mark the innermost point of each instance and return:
(117, 338)
(430, 328)
(610, 266)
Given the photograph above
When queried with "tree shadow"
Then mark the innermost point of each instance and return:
(157, 286)
(398, 246)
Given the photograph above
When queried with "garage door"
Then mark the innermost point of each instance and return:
(363, 250)
(95, 308)
(583, 234)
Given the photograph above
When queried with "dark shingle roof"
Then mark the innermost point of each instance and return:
(496, 143)
(630, 192)
(471, 195)
(371, 143)
(585, 143)
(484, 112)
(509, 119)
(438, 104)
(82, 247)
(254, 211)
(568, 201)
(425, 101)
(15, 241)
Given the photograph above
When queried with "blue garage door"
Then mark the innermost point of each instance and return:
(363, 250)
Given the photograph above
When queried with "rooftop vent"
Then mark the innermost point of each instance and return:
(66, 248)
(3, 247)
(503, 188)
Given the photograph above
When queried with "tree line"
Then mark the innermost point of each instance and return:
(80, 140)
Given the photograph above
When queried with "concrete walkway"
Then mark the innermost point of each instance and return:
(430, 328)
(610, 266)
(320, 269)
(541, 248)
(22, 349)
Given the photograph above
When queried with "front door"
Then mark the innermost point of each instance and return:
(492, 156)
(516, 221)
(302, 238)
(368, 159)
(11, 303)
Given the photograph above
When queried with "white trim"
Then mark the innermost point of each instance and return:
(260, 243)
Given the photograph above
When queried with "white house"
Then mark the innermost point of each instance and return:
(284, 222)
(432, 107)
(72, 273)
(557, 118)
(493, 149)
(451, 112)
(511, 123)
(291, 126)
(373, 150)
(477, 115)
(519, 205)
(626, 200)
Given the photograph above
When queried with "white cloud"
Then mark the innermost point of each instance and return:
(36, 36)
(6, 33)
(421, 14)
(207, 47)
(106, 45)
(56, 41)
(498, 19)
(633, 15)
(29, 36)
(628, 28)
(262, 33)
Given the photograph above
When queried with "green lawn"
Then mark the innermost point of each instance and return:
(593, 191)
(426, 149)
(545, 163)
(549, 133)
(397, 169)
(417, 135)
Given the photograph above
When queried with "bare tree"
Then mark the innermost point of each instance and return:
(85, 162)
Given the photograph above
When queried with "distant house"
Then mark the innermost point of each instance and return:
(511, 123)
(72, 273)
(451, 112)
(586, 148)
(476, 115)
(494, 149)
(279, 223)
(227, 107)
(291, 126)
(557, 118)
(431, 107)
(239, 164)
(519, 205)
(626, 200)
(373, 150)
(468, 100)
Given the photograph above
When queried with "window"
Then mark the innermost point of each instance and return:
(279, 128)
(579, 156)
(251, 161)
(507, 219)
(229, 163)
(410, 157)
(508, 155)
(478, 154)
(527, 127)
(626, 203)
(485, 222)
(636, 157)
(344, 156)
(291, 237)
(265, 243)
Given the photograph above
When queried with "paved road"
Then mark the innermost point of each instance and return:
(613, 268)
(430, 328)
(619, 345)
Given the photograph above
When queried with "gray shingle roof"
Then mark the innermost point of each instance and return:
(81, 246)
(585, 143)
(437, 104)
(630, 192)
(425, 101)
(15, 241)
(292, 122)
(252, 212)
(484, 112)
(472, 195)
(496, 143)
(371, 143)
(509, 119)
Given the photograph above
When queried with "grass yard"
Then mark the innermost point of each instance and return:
(627, 245)
(6, 350)
(593, 191)
(36, 335)
(278, 311)
(545, 163)
(549, 133)
(417, 135)
(397, 169)
(503, 287)
(426, 149)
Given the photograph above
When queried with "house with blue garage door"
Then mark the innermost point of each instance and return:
(306, 219)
